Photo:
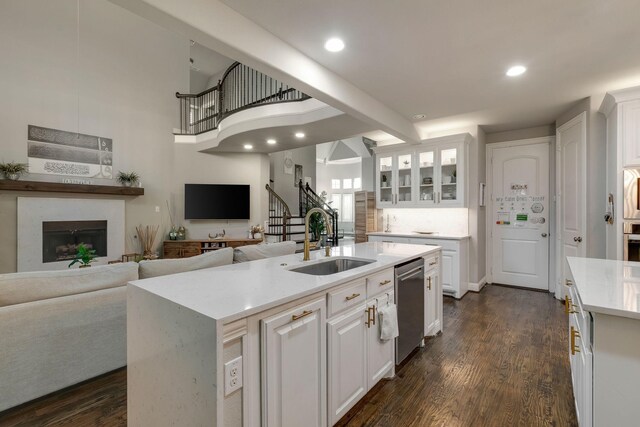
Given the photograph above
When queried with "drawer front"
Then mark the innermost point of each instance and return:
(431, 262)
(348, 296)
(380, 282)
(582, 318)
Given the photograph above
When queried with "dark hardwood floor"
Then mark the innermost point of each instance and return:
(502, 361)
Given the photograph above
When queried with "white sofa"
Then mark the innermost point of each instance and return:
(58, 328)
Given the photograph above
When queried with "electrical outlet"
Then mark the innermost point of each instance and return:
(232, 375)
(157, 209)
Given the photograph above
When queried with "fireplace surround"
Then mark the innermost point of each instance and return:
(49, 230)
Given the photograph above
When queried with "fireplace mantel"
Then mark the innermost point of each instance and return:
(60, 187)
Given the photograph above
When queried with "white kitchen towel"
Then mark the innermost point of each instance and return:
(388, 320)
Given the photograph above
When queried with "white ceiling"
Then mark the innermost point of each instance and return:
(447, 59)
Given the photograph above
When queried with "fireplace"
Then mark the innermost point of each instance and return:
(49, 230)
(60, 239)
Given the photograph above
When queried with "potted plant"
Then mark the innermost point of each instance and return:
(84, 256)
(13, 170)
(128, 179)
(316, 224)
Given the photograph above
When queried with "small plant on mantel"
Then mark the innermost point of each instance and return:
(128, 179)
(13, 170)
(84, 256)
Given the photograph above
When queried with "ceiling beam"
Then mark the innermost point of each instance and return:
(220, 28)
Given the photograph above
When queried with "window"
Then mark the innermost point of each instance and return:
(346, 183)
(346, 214)
(357, 183)
(335, 202)
(335, 184)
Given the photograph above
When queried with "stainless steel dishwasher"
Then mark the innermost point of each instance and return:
(409, 290)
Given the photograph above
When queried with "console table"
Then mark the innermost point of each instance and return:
(189, 248)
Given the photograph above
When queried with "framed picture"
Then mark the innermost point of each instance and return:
(297, 176)
(288, 163)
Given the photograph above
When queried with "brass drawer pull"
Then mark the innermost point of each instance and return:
(386, 282)
(574, 334)
(352, 297)
(568, 305)
(300, 316)
(568, 282)
(433, 263)
(429, 285)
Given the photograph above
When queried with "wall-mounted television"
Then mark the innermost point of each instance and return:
(217, 201)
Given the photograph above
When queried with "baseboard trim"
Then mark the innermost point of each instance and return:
(477, 287)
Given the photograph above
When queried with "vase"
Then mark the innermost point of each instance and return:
(173, 234)
(127, 183)
(13, 176)
(182, 233)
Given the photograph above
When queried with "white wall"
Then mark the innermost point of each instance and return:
(447, 221)
(283, 184)
(128, 74)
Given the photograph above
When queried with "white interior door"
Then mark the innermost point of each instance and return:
(570, 191)
(520, 215)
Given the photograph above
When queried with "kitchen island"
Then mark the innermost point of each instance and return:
(259, 344)
(603, 303)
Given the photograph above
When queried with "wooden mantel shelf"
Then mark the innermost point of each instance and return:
(60, 187)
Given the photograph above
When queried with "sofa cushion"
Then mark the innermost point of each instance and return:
(162, 267)
(265, 250)
(18, 288)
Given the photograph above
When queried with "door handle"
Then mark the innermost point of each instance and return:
(577, 239)
(544, 234)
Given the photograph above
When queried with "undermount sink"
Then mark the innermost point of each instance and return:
(331, 266)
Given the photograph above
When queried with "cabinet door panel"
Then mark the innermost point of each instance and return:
(347, 345)
(294, 376)
(449, 265)
(430, 303)
(381, 356)
(385, 181)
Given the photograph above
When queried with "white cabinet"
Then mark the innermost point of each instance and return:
(431, 298)
(381, 354)
(347, 352)
(431, 174)
(357, 358)
(294, 366)
(454, 278)
(630, 133)
(395, 178)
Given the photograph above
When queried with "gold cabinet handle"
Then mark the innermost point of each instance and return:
(433, 263)
(373, 315)
(368, 322)
(352, 297)
(568, 305)
(429, 285)
(574, 334)
(568, 282)
(301, 315)
(386, 282)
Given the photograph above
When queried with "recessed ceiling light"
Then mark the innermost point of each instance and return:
(334, 44)
(419, 116)
(516, 70)
(271, 141)
(248, 146)
(299, 134)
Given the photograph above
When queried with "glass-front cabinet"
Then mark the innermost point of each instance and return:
(432, 174)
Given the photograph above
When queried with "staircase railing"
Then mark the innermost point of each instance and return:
(241, 87)
(309, 199)
(279, 215)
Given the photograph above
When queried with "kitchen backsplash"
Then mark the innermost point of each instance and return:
(452, 221)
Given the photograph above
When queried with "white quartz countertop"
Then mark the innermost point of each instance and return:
(417, 235)
(607, 286)
(236, 291)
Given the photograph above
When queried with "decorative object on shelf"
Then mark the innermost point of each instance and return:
(218, 235)
(427, 180)
(182, 233)
(256, 229)
(13, 170)
(406, 163)
(297, 177)
(384, 181)
(453, 177)
(84, 256)
(128, 179)
(147, 236)
(446, 179)
(173, 233)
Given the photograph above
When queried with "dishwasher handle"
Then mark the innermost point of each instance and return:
(411, 273)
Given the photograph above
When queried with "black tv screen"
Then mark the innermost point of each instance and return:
(216, 201)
